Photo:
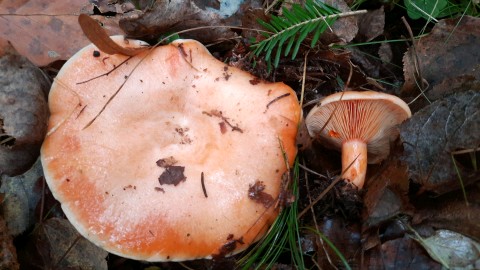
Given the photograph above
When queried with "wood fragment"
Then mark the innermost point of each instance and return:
(202, 180)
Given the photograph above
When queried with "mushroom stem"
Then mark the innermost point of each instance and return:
(354, 162)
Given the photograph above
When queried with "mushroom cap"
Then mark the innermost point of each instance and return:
(368, 116)
(185, 161)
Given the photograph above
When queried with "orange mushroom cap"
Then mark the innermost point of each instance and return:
(358, 123)
(185, 161)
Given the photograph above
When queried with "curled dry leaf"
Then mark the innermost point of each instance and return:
(21, 198)
(447, 54)
(23, 113)
(173, 16)
(97, 35)
(452, 249)
(46, 31)
(434, 133)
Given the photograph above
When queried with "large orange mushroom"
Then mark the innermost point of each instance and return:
(184, 162)
(361, 124)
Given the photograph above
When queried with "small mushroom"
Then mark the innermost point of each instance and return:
(358, 123)
(158, 164)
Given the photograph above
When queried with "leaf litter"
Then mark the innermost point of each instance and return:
(39, 29)
(23, 113)
(447, 56)
(452, 249)
(433, 135)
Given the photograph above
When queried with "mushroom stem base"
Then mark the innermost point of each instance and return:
(354, 162)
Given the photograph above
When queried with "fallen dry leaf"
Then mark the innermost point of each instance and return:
(105, 6)
(8, 253)
(344, 29)
(434, 133)
(345, 237)
(166, 17)
(23, 113)
(401, 253)
(370, 25)
(46, 31)
(452, 249)
(450, 212)
(57, 245)
(97, 35)
(449, 51)
(387, 194)
(21, 198)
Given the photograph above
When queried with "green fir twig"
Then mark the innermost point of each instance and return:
(287, 32)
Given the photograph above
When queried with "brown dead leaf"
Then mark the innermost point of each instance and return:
(344, 29)
(166, 17)
(432, 136)
(387, 194)
(21, 198)
(452, 249)
(5, 47)
(45, 31)
(448, 52)
(57, 245)
(23, 113)
(105, 6)
(385, 52)
(370, 25)
(341, 60)
(97, 35)
(401, 253)
(8, 253)
(345, 237)
(450, 212)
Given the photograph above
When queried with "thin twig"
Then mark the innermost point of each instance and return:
(106, 73)
(275, 100)
(302, 93)
(350, 74)
(311, 171)
(304, 211)
(315, 220)
(465, 151)
(56, 266)
(202, 180)
(418, 72)
(42, 201)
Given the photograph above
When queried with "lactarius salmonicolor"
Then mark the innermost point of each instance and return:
(184, 162)
(358, 123)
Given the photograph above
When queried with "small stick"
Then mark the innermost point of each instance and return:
(202, 180)
(107, 73)
(276, 99)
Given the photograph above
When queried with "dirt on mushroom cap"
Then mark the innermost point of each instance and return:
(157, 114)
